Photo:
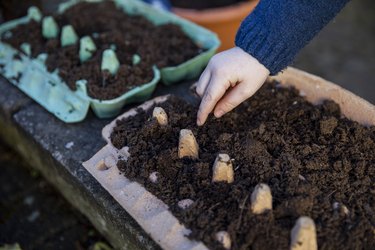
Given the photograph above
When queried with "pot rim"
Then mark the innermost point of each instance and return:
(220, 14)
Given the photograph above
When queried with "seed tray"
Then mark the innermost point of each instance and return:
(313, 88)
(49, 90)
(150, 212)
(206, 39)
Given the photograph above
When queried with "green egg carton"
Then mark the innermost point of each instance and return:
(206, 39)
(111, 108)
(32, 77)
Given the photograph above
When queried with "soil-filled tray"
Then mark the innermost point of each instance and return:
(106, 61)
(315, 163)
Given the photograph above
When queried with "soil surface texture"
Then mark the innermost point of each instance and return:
(316, 162)
(109, 27)
(34, 216)
(201, 5)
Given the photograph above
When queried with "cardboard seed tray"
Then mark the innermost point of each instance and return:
(151, 213)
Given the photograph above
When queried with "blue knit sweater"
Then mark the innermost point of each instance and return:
(278, 29)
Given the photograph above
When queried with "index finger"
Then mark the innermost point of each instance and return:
(214, 92)
(203, 82)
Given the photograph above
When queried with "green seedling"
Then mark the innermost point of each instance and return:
(34, 14)
(86, 49)
(68, 36)
(113, 47)
(110, 61)
(50, 29)
(26, 48)
(95, 35)
(136, 59)
(42, 57)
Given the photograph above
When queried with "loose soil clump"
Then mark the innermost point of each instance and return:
(109, 27)
(202, 5)
(315, 162)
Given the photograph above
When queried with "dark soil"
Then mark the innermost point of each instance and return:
(14, 9)
(310, 156)
(163, 46)
(34, 215)
(201, 5)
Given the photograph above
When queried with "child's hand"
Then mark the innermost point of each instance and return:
(230, 78)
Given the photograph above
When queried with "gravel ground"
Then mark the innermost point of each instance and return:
(34, 215)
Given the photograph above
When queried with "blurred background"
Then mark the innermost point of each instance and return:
(344, 52)
(34, 215)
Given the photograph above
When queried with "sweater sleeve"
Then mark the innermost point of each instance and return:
(278, 29)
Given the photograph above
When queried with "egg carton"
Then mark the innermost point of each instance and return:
(32, 77)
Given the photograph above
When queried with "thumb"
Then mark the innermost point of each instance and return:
(235, 97)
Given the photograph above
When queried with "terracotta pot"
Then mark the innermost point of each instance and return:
(224, 21)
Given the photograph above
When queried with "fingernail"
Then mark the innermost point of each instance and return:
(199, 123)
(219, 113)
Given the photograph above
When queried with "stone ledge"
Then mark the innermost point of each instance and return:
(11, 99)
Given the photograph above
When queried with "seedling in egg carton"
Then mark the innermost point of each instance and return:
(50, 28)
(68, 36)
(110, 61)
(26, 48)
(104, 103)
(87, 48)
(34, 14)
(136, 59)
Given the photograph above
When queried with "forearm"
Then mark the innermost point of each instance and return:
(278, 29)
